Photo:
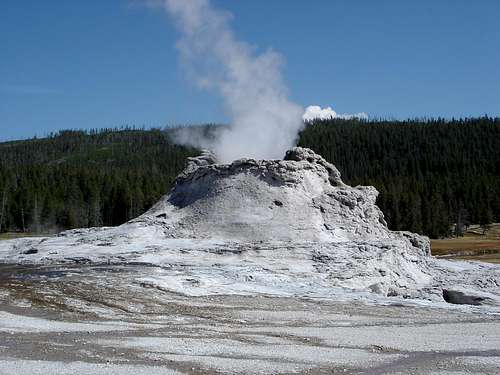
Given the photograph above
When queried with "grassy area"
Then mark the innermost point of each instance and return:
(474, 245)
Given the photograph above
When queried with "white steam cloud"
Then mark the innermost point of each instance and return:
(316, 112)
(264, 122)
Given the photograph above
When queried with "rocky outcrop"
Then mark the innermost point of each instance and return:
(300, 198)
(205, 158)
(301, 154)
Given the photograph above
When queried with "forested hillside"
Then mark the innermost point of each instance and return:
(78, 179)
(430, 173)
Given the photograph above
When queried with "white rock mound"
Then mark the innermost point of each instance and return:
(301, 198)
(283, 227)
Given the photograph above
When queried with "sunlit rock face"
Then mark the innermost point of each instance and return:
(300, 198)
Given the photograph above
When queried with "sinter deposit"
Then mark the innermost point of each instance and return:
(281, 227)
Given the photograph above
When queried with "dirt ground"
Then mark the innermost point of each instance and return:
(91, 320)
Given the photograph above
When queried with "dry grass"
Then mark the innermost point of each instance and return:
(472, 246)
(13, 235)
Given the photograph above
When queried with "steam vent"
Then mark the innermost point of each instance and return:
(286, 227)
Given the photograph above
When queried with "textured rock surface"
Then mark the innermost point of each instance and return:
(284, 227)
(301, 198)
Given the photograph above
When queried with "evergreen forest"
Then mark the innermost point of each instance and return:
(430, 173)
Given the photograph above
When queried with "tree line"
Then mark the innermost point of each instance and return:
(430, 173)
(78, 179)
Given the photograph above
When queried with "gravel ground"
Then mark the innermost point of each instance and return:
(99, 324)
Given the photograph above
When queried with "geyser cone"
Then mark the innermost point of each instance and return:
(300, 198)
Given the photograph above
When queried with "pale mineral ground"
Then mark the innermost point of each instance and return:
(258, 266)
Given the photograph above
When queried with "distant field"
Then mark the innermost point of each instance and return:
(11, 236)
(472, 246)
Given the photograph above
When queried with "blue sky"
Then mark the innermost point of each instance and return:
(91, 64)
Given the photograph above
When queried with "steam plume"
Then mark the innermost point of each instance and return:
(264, 123)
